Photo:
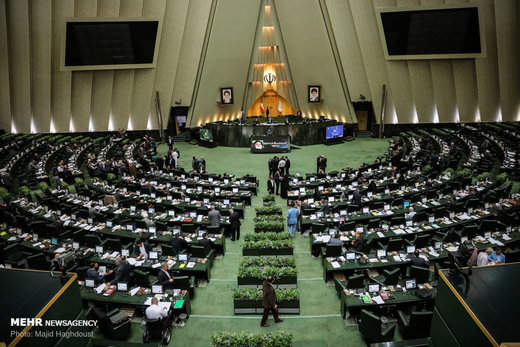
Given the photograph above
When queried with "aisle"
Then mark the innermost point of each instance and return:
(319, 323)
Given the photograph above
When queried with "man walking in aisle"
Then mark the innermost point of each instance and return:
(269, 302)
(292, 219)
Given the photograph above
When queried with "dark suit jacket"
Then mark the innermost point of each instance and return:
(270, 186)
(234, 220)
(207, 243)
(179, 244)
(418, 261)
(121, 273)
(269, 295)
(146, 245)
(359, 243)
(163, 279)
(356, 199)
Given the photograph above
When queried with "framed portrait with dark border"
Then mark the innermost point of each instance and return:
(226, 96)
(314, 93)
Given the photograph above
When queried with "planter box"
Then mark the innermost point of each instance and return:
(289, 304)
(287, 280)
(250, 252)
(285, 251)
(247, 281)
(252, 306)
(239, 303)
(268, 230)
(269, 213)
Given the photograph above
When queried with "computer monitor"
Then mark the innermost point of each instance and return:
(73, 216)
(157, 289)
(193, 214)
(407, 204)
(351, 256)
(343, 212)
(431, 219)
(235, 190)
(331, 199)
(109, 224)
(187, 200)
(152, 195)
(310, 200)
(387, 207)
(153, 255)
(90, 283)
(54, 241)
(302, 190)
(122, 286)
(369, 194)
(129, 227)
(319, 214)
(171, 213)
(75, 245)
(217, 189)
(312, 179)
(90, 220)
(320, 188)
(183, 257)
(226, 202)
(410, 283)
(99, 249)
(102, 270)
(332, 232)
(125, 252)
(373, 288)
(152, 230)
(35, 237)
(151, 210)
(295, 180)
(132, 208)
(366, 210)
(410, 249)
(438, 245)
(381, 253)
(169, 197)
(206, 200)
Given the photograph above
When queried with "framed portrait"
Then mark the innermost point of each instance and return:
(226, 96)
(314, 93)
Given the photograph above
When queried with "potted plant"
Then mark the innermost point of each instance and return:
(25, 191)
(44, 187)
(5, 196)
(111, 177)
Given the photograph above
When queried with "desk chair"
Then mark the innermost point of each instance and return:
(391, 277)
(213, 230)
(188, 228)
(348, 226)
(92, 241)
(356, 281)
(81, 272)
(399, 220)
(317, 228)
(440, 212)
(38, 261)
(142, 278)
(331, 251)
(398, 202)
(421, 274)
(422, 241)
(198, 252)
(140, 224)
(394, 244)
(13, 255)
(115, 244)
(417, 325)
(373, 329)
(185, 283)
(373, 223)
(353, 208)
(168, 250)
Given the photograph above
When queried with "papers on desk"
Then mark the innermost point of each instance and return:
(452, 248)
(161, 304)
(131, 261)
(335, 265)
(378, 299)
(380, 234)
(397, 258)
(60, 250)
(12, 238)
(106, 255)
(156, 265)
(37, 244)
(190, 264)
(434, 254)
(100, 288)
(506, 237)
(134, 291)
(325, 238)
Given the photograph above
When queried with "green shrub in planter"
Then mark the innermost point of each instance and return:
(426, 169)
(464, 173)
(501, 178)
(269, 198)
(43, 186)
(256, 294)
(483, 176)
(5, 196)
(111, 177)
(79, 181)
(267, 236)
(268, 218)
(448, 170)
(25, 191)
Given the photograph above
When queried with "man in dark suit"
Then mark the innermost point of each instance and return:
(416, 260)
(372, 187)
(179, 243)
(142, 249)
(358, 243)
(287, 165)
(164, 277)
(325, 207)
(170, 143)
(277, 180)
(270, 185)
(121, 271)
(269, 166)
(93, 273)
(318, 162)
(269, 302)
(274, 165)
(323, 164)
(206, 242)
(159, 162)
(234, 221)
(356, 198)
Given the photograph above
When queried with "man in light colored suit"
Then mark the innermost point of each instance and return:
(214, 217)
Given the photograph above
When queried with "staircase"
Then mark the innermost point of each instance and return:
(364, 134)
(182, 137)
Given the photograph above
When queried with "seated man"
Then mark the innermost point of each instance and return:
(416, 260)
(142, 249)
(497, 257)
(121, 271)
(483, 257)
(410, 214)
(207, 243)
(179, 243)
(164, 277)
(358, 243)
(93, 273)
(154, 312)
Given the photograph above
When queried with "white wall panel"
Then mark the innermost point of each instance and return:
(465, 89)
(5, 83)
(20, 59)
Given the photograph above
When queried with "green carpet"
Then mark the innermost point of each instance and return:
(317, 299)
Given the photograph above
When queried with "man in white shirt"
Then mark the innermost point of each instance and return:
(156, 312)
(281, 165)
(410, 214)
(482, 258)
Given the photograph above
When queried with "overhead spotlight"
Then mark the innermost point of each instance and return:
(362, 97)
(178, 102)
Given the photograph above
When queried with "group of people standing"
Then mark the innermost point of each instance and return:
(282, 164)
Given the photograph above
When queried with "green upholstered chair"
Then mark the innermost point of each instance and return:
(373, 329)
(416, 325)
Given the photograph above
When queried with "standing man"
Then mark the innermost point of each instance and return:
(269, 166)
(202, 163)
(281, 165)
(318, 162)
(214, 217)
(270, 185)
(277, 180)
(292, 219)
(170, 142)
(234, 221)
(269, 302)
(274, 164)
(323, 164)
(287, 165)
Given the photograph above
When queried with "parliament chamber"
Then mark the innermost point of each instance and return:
(174, 172)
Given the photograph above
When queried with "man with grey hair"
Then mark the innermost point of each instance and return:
(214, 217)
(154, 311)
(482, 258)
(164, 277)
(121, 271)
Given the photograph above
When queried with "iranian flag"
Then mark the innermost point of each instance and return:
(262, 109)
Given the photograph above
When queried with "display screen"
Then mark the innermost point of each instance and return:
(334, 132)
(110, 43)
(438, 31)
(206, 135)
(270, 144)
